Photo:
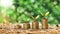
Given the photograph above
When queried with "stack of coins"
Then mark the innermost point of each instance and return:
(44, 23)
(35, 25)
(26, 25)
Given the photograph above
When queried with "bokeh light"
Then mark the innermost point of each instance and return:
(6, 3)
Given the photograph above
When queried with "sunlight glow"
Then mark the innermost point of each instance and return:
(6, 3)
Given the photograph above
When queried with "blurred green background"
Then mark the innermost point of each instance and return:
(27, 10)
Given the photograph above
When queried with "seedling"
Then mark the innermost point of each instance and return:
(45, 20)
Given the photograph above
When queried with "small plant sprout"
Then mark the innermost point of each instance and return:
(45, 20)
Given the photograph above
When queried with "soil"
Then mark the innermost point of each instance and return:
(10, 29)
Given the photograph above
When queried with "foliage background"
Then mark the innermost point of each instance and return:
(26, 10)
